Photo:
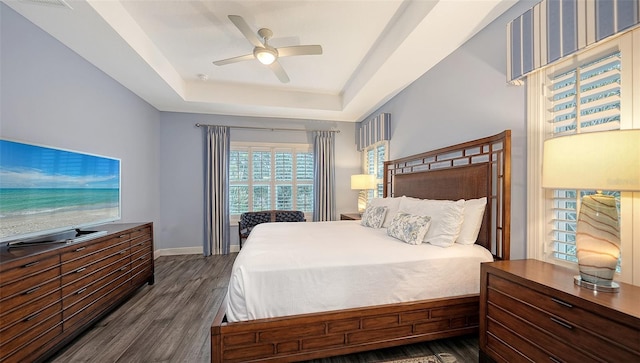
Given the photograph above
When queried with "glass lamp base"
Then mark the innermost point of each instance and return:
(610, 287)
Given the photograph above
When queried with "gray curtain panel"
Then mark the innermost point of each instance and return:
(324, 182)
(217, 231)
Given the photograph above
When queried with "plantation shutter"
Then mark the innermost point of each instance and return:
(583, 99)
(239, 181)
(374, 158)
(304, 178)
(270, 177)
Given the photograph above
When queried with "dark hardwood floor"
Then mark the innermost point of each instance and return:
(171, 320)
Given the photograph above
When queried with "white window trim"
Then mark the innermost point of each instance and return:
(538, 241)
(234, 218)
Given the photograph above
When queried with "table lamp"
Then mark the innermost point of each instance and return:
(362, 182)
(608, 160)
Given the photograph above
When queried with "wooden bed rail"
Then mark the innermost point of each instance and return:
(311, 336)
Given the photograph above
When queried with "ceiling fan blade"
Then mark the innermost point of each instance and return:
(234, 59)
(242, 25)
(279, 71)
(299, 50)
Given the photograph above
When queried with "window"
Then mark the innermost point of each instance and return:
(374, 158)
(590, 91)
(584, 98)
(270, 176)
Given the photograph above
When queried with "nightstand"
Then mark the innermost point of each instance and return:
(532, 310)
(350, 216)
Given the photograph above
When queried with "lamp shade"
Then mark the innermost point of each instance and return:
(363, 181)
(608, 160)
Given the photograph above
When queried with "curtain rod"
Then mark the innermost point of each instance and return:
(268, 128)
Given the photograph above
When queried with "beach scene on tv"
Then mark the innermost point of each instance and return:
(45, 189)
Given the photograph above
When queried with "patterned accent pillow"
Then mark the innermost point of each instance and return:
(409, 228)
(373, 216)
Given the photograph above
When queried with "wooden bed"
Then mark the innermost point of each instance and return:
(474, 169)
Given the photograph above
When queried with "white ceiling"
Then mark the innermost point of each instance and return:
(159, 49)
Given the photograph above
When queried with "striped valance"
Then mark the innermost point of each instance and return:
(368, 132)
(554, 29)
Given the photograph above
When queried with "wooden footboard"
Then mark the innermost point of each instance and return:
(311, 336)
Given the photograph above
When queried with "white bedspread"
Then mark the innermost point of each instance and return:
(296, 268)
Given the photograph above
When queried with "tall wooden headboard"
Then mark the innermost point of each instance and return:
(470, 170)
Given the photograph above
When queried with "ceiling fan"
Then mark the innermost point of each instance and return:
(265, 53)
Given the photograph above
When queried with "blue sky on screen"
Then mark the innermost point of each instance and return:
(30, 166)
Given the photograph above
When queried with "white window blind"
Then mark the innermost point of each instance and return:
(585, 98)
(270, 177)
(374, 158)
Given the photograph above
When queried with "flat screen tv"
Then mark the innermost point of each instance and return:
(47, 191)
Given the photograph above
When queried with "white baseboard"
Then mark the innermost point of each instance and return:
(185, 251)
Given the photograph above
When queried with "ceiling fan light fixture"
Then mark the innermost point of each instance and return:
(266, 56)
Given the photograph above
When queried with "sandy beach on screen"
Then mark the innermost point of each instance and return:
(16, 225)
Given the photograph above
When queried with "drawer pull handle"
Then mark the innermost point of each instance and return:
(560, 322)
(29, 292)
(80, 270)
(561, 302)
(123, 268)
(81, 291)
(30, 264)
(554, 360)
(123, 252)
(31, 317)
(141, 258)
(79, 249)
(122, 236)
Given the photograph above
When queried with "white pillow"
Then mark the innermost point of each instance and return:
(392, 204)
(446, 218)
(373, 216)
(409, 228)
(473, 215)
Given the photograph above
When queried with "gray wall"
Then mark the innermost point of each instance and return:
(51, 96)
(182, 156)
(466, 97)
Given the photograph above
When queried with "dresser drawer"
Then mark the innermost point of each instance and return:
(141, 275)
(28, 267)
(503, 341)
(142, 231)
(30, 328)
(507, 315)
(141, 257)
(80, 251)
(82, 271)
(29, 309)
(571, 314)
(22, 298)
(94, 282)
(74, 260)
(33, 349)
(84, 249)
(146, 230)
(28, 276)
(96, 301)
(141, 244)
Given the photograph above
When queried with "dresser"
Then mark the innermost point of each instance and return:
(50, 293)
(532, 311)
